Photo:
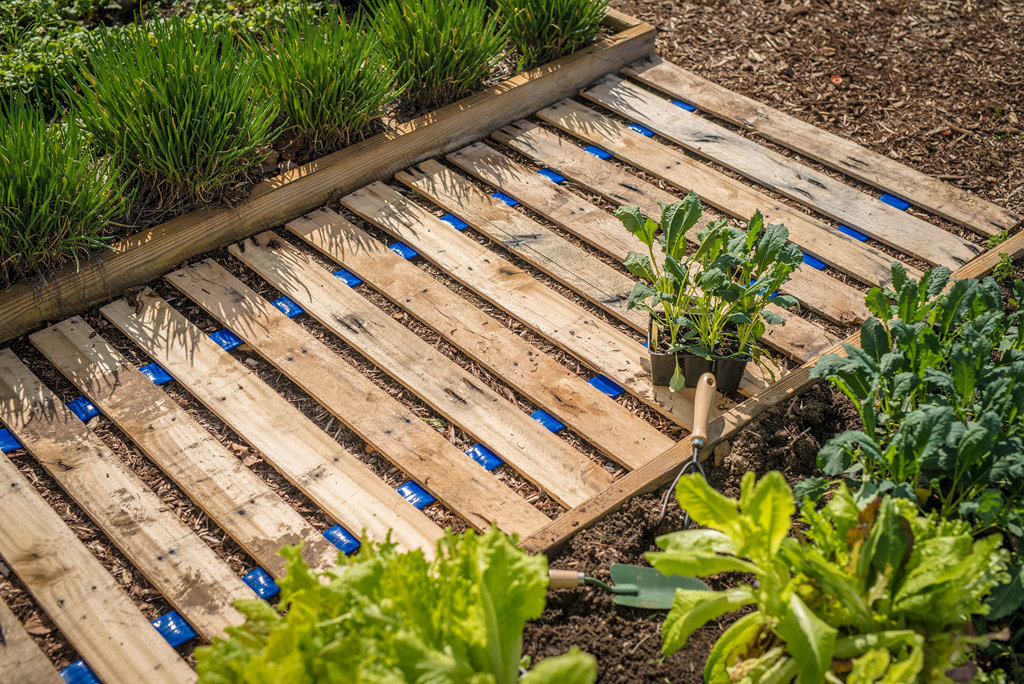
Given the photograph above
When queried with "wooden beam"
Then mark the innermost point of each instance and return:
(20, 658)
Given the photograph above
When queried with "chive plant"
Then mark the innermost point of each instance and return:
(543, 30)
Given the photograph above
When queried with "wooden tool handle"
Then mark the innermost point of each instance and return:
(702, 408)
(564, 579)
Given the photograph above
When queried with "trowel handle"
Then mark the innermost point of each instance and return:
(564, 579)
(702, 401)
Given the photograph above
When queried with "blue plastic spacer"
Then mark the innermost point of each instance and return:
(547, 420)
(341, 538)
(597, 152)
(8, 442)
(79, 673)
(646, 132)
(350, 278)
(812, 262)
(174, 629)
(552, 176)
(403, 250)
(454, 222)
(287, 307)
(156, 373)
(684, 105)
(83, 408)
(894, 201)
(856, 234)
(260, 581)
(226, 339)
(505, 198)
(605, 385)
(484, 456)
(415, 494)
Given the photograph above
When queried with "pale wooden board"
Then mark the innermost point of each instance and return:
(522, 296)
(390, 428)
(724, 193)
(786, 176)
(92, 611)
(232, 495)
(325, 471)
(172, 557)
(931, 194)
(571, 265)
(540, 456)
(545, 382)
(814, 289)
(20, 658)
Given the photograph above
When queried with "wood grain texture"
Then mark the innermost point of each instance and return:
(331, 476)
(599, 419)
(390, 428)
(564, 473)
(236, 499)
(20, 659)
(90, 608)
(922, 190)
(171, 556)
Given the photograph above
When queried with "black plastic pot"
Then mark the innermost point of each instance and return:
(728, 372)
(694, 367)
(663, 366)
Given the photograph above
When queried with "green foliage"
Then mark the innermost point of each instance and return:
(441, 48)
(998, 239)
(180, 104)
(388, 617)
(543, 30)
(879, 594)
(1003, 271)
(56, 197)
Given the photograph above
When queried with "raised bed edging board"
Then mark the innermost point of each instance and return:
(148, 254)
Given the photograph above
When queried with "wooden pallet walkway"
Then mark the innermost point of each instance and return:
(506, 248)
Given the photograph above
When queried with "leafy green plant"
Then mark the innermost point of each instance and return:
(879, 594)
(998, 239)
(543, 30)
(390, 617)
(441, 48)
(1003, 271)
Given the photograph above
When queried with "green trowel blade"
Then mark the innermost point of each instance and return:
(654, 591)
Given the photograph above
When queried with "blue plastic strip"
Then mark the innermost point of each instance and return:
(7, 442)
(174, 629)
(287, 307)
(350, 278)
(505, 198)
(156, 373)
(484, 456)
(415, 494)
(79, 673)
(226, 339)
(597, 152)
(853, 233)
(403, 250)
(607, 386)
(341, 538)
(260, 581)
(456, 223)
(894, 201)
(552, 176)
(548, 420)
(813, 263)
(684, 105)
(83, 408)
(646, 132)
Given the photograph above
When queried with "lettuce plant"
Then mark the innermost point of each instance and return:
(879, 594)
(388, 617)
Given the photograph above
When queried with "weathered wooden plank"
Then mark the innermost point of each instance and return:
(786, 176)
(20, 658)
(331, 476)
(232, 495)
(570, 265)
(516, 292)
(815, 290)
(172, 557)
(545, 382)
(922, 190)
(390, 428)
(92, 611)
(540, 456)
(724, 193)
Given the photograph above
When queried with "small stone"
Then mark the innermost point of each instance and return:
(251, 362)
(781, 436)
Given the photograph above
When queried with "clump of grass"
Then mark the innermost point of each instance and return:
(330, 76)
(441, 48)
(181, 105)
(56, 198)
(543, 30)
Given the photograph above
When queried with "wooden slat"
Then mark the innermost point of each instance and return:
(815, 290)
(20, 658)
(430, 459)
(540, 456)
(232, 495)
(331, 476)
(724, 193)
(515, 291)
(573, 266)
(786, 176)
(545, 382)
(92, 611)
(922, 190)
(172, 557)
